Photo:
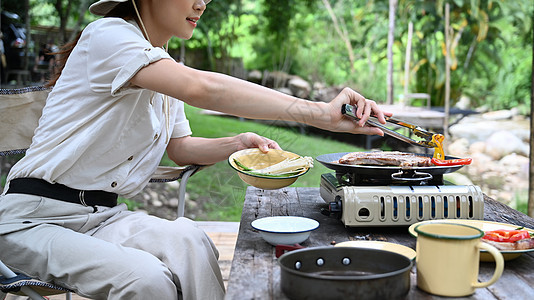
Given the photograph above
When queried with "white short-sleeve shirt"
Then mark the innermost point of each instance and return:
(98, 132)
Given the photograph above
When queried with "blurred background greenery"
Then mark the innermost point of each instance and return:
(345, 42)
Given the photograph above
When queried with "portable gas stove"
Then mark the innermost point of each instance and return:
(391, 196)
(366, 195)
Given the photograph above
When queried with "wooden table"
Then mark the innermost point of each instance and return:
(255, 273)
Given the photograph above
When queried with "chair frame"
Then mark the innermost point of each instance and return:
(163, 174)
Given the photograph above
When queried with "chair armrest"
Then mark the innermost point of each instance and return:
(167, 174)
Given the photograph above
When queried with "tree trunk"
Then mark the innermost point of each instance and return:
(63, 18)
(26, 58)
(84, 5)
(407, 63)
(531, 161)
(343, 34)
(391, 40)
(447, 72)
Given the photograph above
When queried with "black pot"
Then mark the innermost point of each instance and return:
(344, 273)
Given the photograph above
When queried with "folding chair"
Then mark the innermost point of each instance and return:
(20, 110)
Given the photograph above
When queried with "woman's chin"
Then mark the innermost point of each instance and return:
(184, 36)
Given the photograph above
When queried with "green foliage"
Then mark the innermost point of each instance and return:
(44, 12)
(131, 204)
(490, 52)
(507, 80)
(279, 27)
(520, 201)
(480, 37)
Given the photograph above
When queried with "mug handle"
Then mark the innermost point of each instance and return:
(499, 265)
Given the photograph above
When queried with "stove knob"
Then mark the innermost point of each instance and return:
(334, 209)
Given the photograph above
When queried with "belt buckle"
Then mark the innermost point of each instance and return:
(81, 197)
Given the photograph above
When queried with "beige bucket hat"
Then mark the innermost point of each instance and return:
(103, 7)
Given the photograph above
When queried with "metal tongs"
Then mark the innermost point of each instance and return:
(430, 139)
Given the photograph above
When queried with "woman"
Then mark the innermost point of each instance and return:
(106, 124)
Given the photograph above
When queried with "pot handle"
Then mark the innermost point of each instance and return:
(415, 176)
(281, 249)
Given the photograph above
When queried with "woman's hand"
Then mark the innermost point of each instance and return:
(365, 109)
(206, 151)
(252, 140)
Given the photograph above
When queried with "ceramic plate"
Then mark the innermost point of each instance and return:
(392, 247)
(484, 226)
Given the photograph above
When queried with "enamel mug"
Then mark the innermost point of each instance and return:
(448, 257)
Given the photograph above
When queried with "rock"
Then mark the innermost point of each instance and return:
(173, 202)
(255, 76)
(498, 115)
(494, 180)
(152, 194)
(326, 94)
(173, 185)
(157, 203)
(319, 85)
(458, 179)
(285, 90)
(481, 163)
(463, 103)
(477, 147)
(146, 196)
(505, 197)
(192, 205)
(473, 132)
(502, 143)
(514, 163)
(277, 79)
(475, 129)
(299, 87)
(459, 148)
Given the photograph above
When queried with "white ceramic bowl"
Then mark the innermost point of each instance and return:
(285, 230)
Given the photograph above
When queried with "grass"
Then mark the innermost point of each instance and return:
(220, 189)
(520, 201)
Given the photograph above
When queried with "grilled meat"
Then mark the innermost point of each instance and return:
(382, 158)
(523, 244)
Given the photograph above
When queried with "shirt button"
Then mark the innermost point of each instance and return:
(130, 158)
(114, 184)
(156, 136)
(148, 49)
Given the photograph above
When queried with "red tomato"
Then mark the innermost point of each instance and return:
(507, 236)
(451, 162)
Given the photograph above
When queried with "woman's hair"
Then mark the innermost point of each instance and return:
(124, 10)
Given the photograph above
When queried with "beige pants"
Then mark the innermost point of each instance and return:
(112, 253)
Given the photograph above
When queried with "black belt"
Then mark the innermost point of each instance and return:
(40, 187)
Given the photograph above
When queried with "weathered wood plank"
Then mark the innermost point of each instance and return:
(255, 273)
(499, 212)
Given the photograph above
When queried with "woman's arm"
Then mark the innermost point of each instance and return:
(206, 151)
(238, 97)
